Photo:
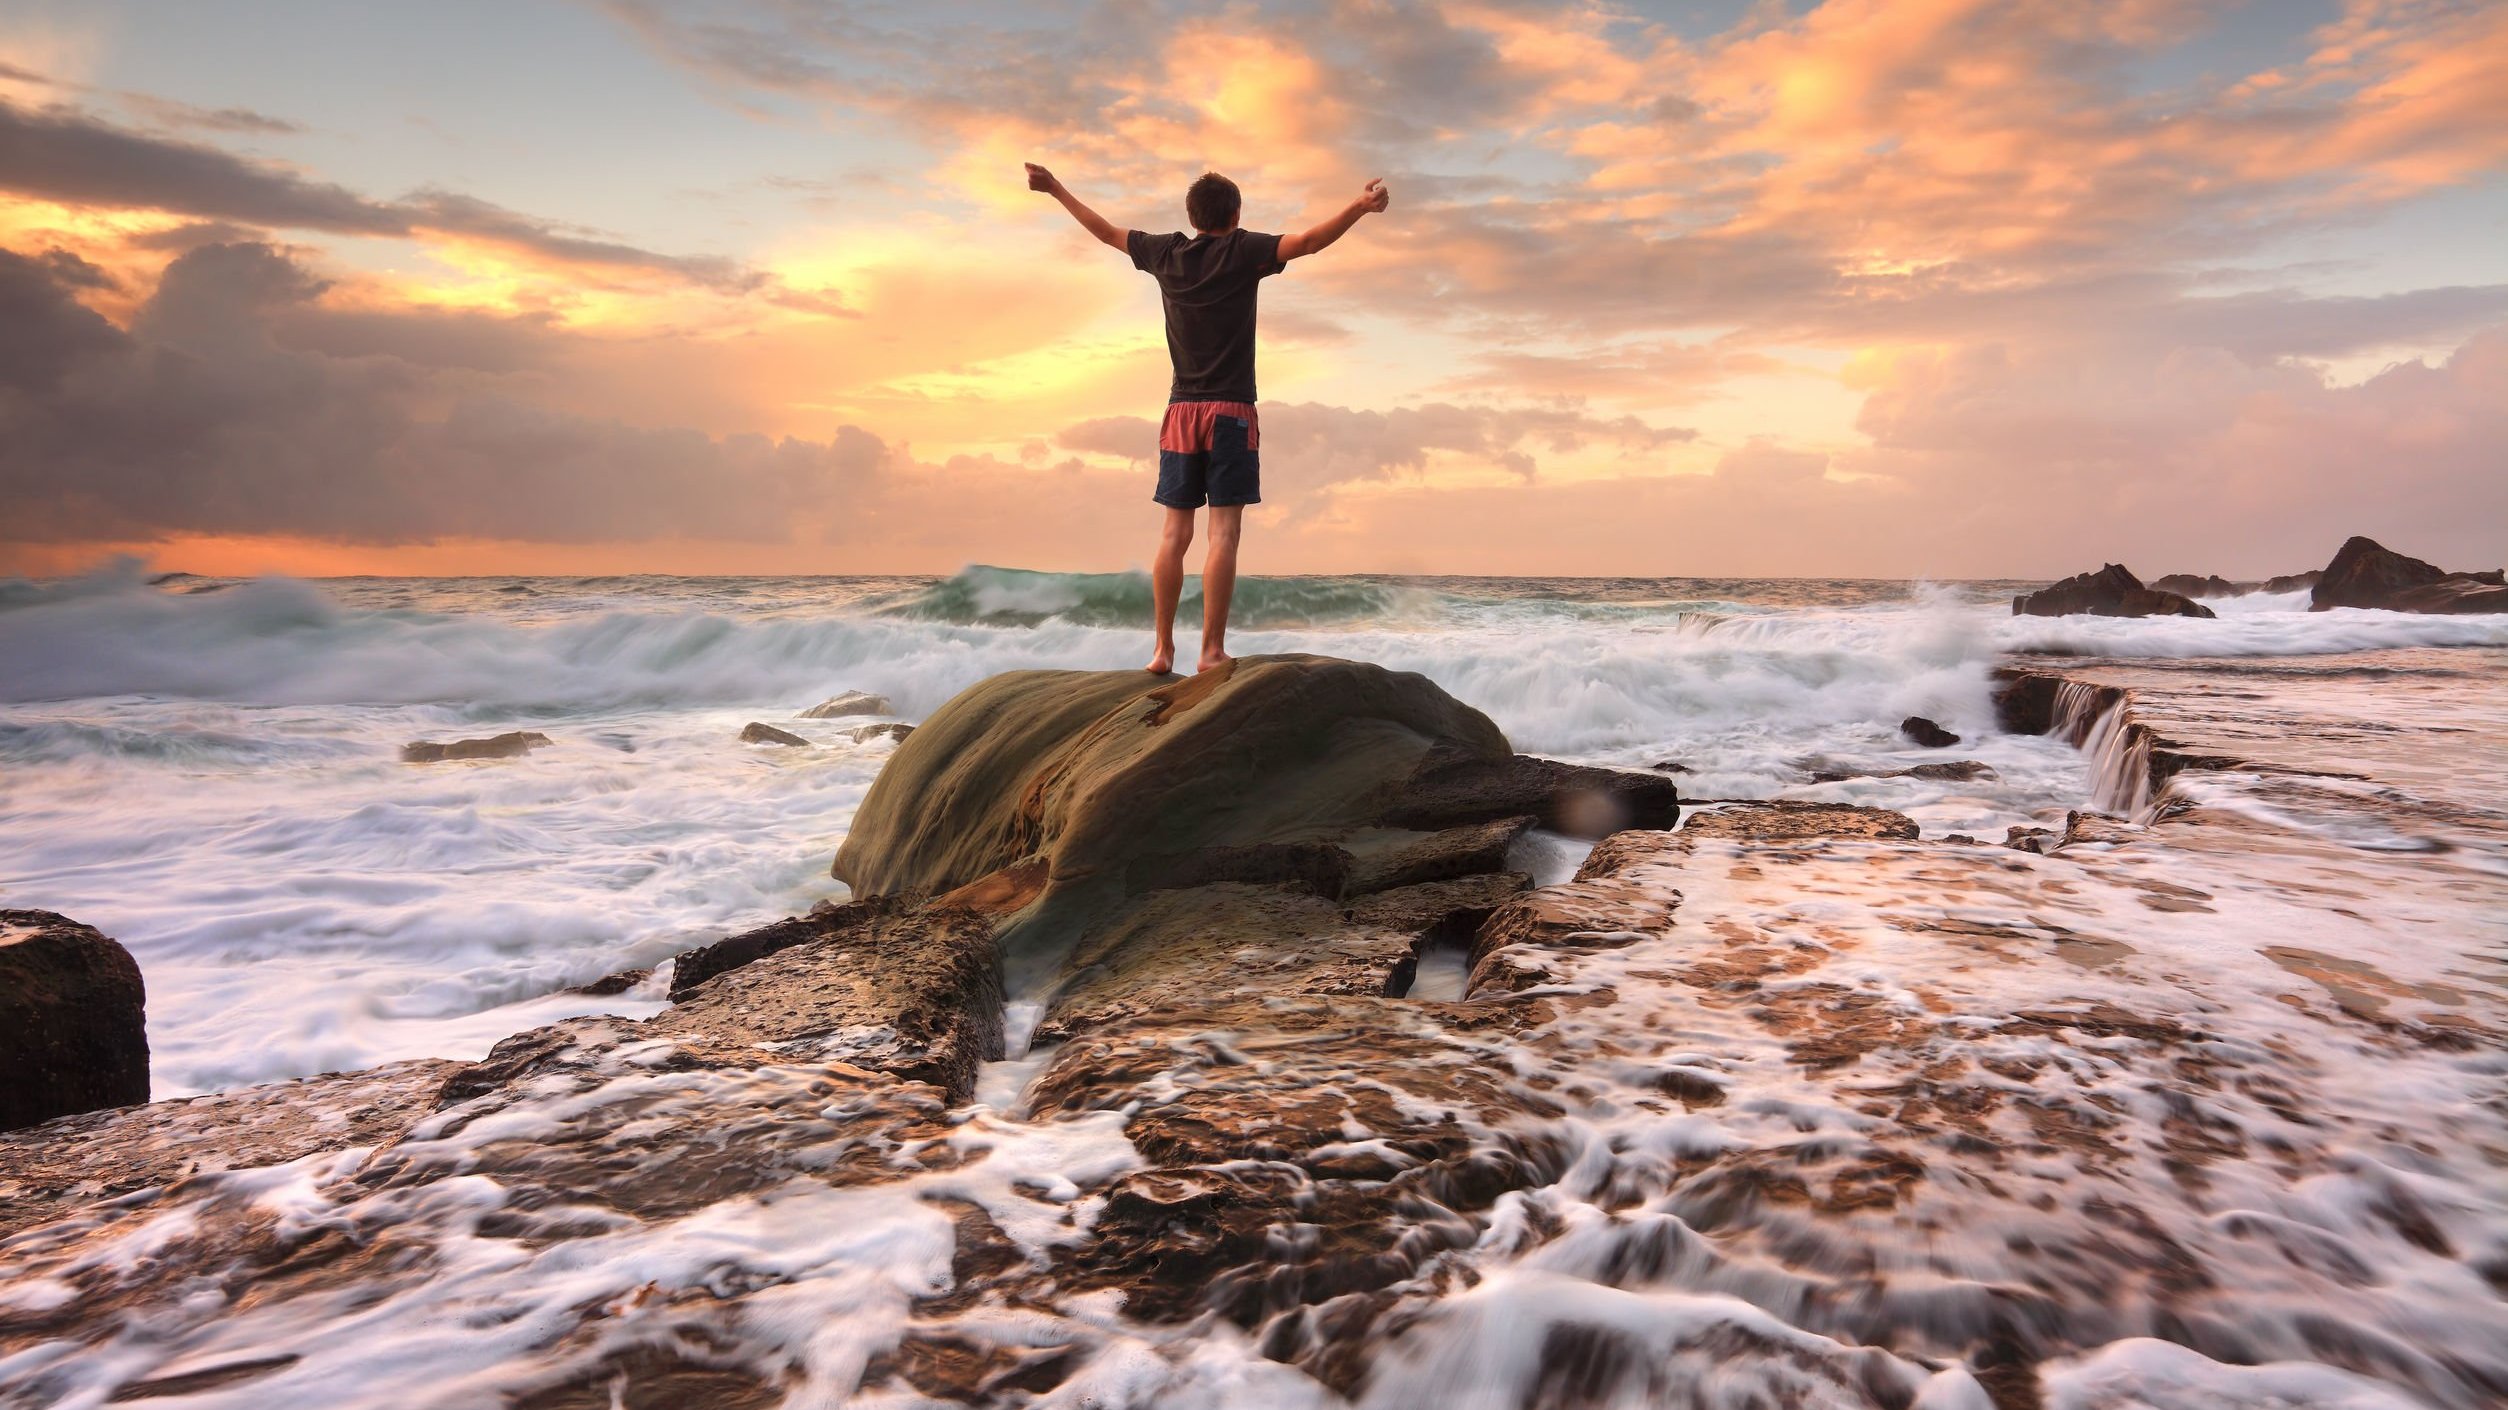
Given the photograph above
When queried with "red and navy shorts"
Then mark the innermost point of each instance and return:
(1206, 455)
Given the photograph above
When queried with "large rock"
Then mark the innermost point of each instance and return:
(1048, 798)
(2113, 591)
(2365, 573)
(73, 1020)
(1063, 791)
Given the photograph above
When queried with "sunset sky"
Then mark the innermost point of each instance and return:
(1935, 288)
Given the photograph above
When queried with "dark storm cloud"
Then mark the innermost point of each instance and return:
(245, 121)
(198, 419)
(62, 154)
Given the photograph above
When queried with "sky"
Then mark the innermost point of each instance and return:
(1923, 289)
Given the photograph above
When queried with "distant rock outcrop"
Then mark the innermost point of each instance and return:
(2209, 585)
(73, 1020)
(757, 733)
(513, 744)
(2113, 591)
(2365, 573)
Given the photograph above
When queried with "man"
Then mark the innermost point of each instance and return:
(1207, 444)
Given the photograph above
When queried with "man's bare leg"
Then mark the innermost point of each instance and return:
(1175, 535)
(1219, 582)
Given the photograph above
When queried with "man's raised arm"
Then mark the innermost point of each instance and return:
(1374, 198)
(1039, 179)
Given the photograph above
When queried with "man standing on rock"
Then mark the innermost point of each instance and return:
(1207, 444)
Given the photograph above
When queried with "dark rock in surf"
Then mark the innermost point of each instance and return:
(2113, 591)
(756, 733)
(73, 1020)
(864, 734)
(513, 744)
(1953, 771)
(852, 702)
(2295, 582)
(1923, 732)
(2364, 573)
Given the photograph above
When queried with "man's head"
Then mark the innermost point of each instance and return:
(1212, 204)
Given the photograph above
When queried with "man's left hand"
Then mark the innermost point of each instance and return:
(1039, 179)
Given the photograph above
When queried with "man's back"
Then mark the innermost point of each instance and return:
(1207, 284)
(1209, 442)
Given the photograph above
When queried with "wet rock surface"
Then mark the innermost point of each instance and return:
(756, 732)
(49, 1170)
(2113, 591)
(512, 744)
(1771, 1104)
(916, 994)
(73, 1020)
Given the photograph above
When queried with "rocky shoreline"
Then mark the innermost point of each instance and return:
(1215, 1033)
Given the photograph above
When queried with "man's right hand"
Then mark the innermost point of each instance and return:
(1375, 197)
(1039, 179)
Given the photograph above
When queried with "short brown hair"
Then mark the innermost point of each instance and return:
(1212, 203)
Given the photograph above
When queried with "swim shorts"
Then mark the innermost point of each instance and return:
(1206, 455)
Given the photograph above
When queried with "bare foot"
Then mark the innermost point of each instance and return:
(1162, 661)
(1212, 660)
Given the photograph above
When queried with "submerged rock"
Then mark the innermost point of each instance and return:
(852, 702)
(73, 1020)
(1924, 732)
(756, 733)
(864, 734)
(2113, 591)
(2365, 573)
(512, 744)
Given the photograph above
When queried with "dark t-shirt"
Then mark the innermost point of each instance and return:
(1207, 284)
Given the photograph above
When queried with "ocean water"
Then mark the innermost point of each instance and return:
(209, 769)
(2205, 1113)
